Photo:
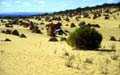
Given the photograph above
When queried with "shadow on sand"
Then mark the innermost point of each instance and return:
(98, 50)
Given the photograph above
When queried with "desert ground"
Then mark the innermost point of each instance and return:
(36, 55)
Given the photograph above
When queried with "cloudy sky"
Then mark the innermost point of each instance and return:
(47, 5)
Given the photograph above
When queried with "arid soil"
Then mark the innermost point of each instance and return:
(36, 55)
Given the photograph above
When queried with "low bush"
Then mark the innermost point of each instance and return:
(15, 32)
(7, 39)
(23, 36)
(86, 38)
(7, 31)
(112, 38)
(72, 25)
(107, 17)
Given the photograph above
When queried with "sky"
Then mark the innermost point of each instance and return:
(8, 6)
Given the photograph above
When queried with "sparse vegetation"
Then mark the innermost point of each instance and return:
(7, 25)
(15, 32)
(67, 25)
(72, 25)
(112, 38)
(35, 29)
(22, 35)
(73, 46)
(107, 17)
(7, 31)
(67, 19)
(7, 39)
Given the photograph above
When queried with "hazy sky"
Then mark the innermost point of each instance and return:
(47, 5)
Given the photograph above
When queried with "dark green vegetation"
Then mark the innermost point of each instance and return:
(112, 38)
(7, 39)
(15, 32)
(85, 38)
(72, 25)
(22, 35)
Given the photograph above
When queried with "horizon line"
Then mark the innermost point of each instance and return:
(38, 12)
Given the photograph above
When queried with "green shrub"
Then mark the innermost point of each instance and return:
(7, 39)
(23, 36)
(107, 17)
(15, 32)
(8, 31)
(112, 38)
(7, 25)
(86, 38)
(36, 29)
(67, 19)
(72, 25)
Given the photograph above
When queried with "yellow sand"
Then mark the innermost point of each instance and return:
(35, 55)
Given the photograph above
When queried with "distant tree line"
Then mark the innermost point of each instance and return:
(89, 8)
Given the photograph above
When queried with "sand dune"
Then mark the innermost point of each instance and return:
(35, 55)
